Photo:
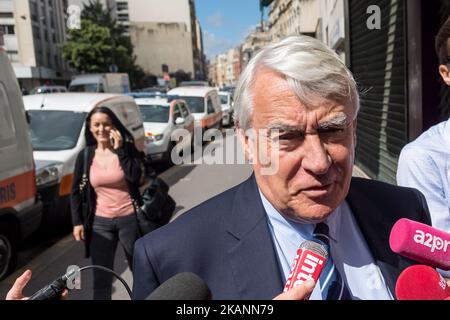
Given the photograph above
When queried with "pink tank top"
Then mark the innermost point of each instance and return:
(113, 198)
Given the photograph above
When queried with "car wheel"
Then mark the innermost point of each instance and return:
(8, 254)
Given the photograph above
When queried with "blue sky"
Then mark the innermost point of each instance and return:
(225, 23)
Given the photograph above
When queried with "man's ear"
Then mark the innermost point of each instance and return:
(445, 73)
(247, 144)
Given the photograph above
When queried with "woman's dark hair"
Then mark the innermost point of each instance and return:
(90, 140)
(442, 42)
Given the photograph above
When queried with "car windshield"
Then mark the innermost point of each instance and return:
(154, 113)
(196, 104)
(87, 87)
(223, 99)
(55, 130)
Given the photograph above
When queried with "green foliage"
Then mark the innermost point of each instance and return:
(100, 43)
(89, 48)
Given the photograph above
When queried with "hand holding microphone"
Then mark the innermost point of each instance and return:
(308, 264)
(15, 293)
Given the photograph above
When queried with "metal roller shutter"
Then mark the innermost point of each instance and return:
(378, 62)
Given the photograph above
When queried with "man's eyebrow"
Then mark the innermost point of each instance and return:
(339, 121)
(283, 127)
(336, 122)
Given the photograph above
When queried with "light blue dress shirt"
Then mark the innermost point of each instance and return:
(349, 250)
(424, 164)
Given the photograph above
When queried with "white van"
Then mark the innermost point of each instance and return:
(20, 209)
(57, 132)
(100, 82)
(204, 104)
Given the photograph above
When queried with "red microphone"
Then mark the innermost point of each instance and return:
(308, 264)
(421, 282)
(421, 243)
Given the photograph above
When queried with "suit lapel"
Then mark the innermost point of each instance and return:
(375, 224)
(251, 253)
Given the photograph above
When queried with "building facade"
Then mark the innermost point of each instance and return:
(33, 31)
(331, 25)
(255, 41)
(293, 17)
(166, 35)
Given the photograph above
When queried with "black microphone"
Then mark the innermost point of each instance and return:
(54, 290)
(183, 286)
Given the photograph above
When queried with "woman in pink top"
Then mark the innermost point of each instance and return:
(102, 201)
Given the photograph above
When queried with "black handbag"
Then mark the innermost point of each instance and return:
(157, 206)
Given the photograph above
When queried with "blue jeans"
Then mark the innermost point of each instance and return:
(106, 233)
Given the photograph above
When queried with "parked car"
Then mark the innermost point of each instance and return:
(57, 133)
(20, 209)
(194, 84)
(226, 101)
(145, 94)
(204, 103)
(100, 82)
(160, 90)
(161, 118)
(48, 89)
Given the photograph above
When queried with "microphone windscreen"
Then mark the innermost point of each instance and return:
(183, 286)
(421, 282)
(421, 243)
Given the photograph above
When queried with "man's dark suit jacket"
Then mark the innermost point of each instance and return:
(226, 240)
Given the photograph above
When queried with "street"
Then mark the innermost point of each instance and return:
(189, 186)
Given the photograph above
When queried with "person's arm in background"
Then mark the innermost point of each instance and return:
(75, 199)
(130, 161)
(417, 170)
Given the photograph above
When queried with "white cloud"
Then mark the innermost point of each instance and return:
(215, 20)
(215, 45)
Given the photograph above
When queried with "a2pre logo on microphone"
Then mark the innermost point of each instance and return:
(431, 241)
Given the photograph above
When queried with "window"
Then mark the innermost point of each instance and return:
(7, 128)
(184, 111)
(154, 113)
(122, 6)
(55, 130)
(196, 104)
(210, 106)
(6, 15)
(176, 113)
(7, 29)
(123, 17)
(36, 32)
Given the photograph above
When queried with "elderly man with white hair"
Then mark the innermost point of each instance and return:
(296, 108)
(296, 104)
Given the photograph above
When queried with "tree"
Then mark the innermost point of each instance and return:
(89, 48)
(113, 49)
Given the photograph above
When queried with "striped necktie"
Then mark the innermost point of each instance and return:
(331, 283)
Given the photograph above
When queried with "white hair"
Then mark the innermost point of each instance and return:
(311, 69)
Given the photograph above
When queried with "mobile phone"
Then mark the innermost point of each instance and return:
(111, 139)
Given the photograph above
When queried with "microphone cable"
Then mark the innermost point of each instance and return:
(113, 273)
(54, 290)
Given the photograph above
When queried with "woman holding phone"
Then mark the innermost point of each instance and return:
(105, 187)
